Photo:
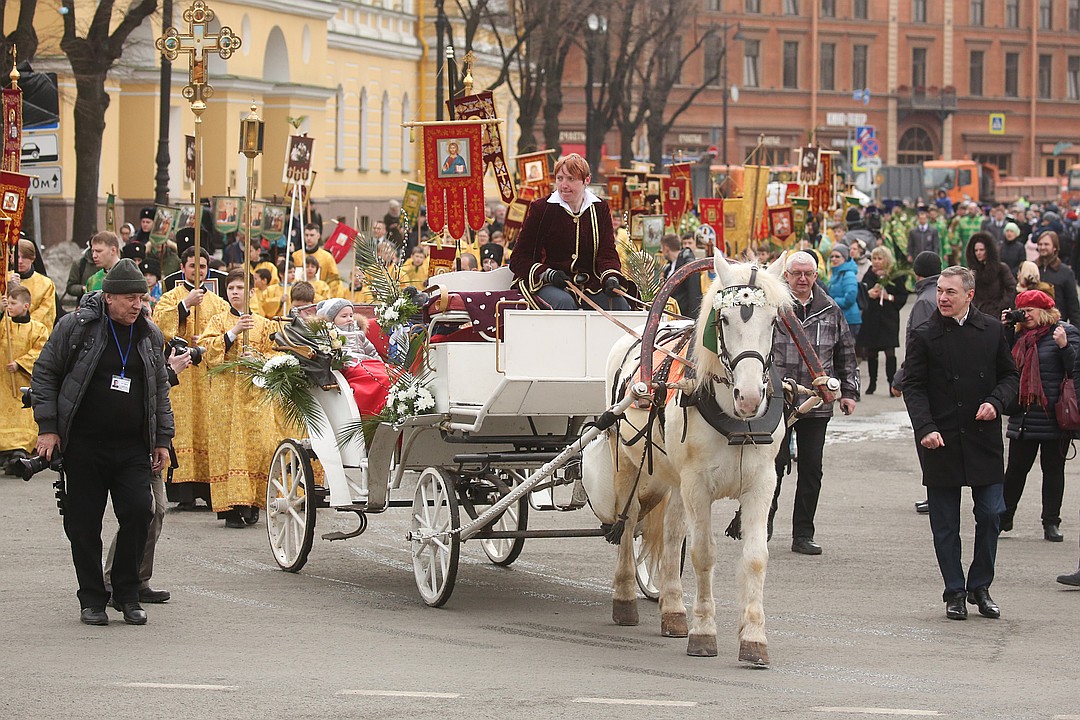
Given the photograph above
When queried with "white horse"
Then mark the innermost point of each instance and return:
(694, 463)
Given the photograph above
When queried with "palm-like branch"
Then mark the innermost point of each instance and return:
(384, 288)
(641, 269)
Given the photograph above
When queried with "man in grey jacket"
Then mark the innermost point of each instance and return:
(101, 396)
(922, 237)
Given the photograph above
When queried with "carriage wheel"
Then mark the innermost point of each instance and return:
(435, 560)
(504, 551)
(647, 573)
(290, 506)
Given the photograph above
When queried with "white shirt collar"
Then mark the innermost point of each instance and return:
(961, 320)
(590, 198)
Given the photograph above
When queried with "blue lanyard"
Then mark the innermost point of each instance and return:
(123, 355)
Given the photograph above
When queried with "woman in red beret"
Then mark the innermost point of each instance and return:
(1045, 350)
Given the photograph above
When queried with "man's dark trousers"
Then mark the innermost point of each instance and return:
(810, 438)
(95, 471)
(944, 505)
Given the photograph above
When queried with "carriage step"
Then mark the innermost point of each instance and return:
(338, 535)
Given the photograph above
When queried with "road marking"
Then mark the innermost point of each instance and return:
(1067, 717)
(628, 701)
(876, 711)
(178, 686)
(399, 693)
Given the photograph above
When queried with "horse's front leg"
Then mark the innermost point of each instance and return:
(624, 609)
(672, 605)
(750, 577)
(697, 500)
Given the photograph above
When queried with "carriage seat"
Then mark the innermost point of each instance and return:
(464, 306)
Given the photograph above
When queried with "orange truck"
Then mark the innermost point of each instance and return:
(967, 179)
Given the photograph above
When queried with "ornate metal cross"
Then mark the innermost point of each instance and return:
(198, 45)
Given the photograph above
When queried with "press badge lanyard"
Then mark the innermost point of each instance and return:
(119, 382)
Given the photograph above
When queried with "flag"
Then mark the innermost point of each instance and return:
(227, 213)
(677, 198)
(13, 190)
(800, 212)
(13, 127)
(454, 169)
(413, 199)
(615, 185)
(273, 222)
(736, 234)
(482, 106)
(711, 211)
(515, 218)
(680, 170)
(110, 213)
(533, 172)
(440, 258)
(781, 224)
(752, 208)
(340, 241)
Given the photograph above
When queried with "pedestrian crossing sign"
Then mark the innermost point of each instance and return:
(997, 123)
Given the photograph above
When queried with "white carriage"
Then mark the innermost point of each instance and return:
(504, 438)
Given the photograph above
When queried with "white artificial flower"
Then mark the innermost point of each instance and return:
(391, 314)
(736, 296)
(258, 381)
(279, 361)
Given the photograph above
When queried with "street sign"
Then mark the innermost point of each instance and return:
(864, 132)
(857, 159)
(49, 180)
(872, 164)
(40, 147)
(997, 123)
(870, 147)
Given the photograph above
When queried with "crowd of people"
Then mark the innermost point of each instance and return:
(995, 277)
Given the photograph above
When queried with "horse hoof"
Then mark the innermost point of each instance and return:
(624, 612)
(701, 646)
(755, 653)
(673, 625)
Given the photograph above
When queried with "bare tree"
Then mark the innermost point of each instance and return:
(23, 37)
(91, 56)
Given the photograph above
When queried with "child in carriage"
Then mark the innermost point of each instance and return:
(365, 370)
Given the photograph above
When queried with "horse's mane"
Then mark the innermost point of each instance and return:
(777, 298)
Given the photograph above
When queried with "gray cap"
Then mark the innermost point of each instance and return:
(124, 278)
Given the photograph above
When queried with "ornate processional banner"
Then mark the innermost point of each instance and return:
(454, 171)
(481, 106)
(13, 122)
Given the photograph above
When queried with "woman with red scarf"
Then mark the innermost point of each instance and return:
(1044, 350)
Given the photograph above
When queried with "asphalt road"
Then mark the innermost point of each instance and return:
(859, 630)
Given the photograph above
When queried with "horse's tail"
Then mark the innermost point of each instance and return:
(652, 533)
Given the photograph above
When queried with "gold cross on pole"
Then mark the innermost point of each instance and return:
(198, 45)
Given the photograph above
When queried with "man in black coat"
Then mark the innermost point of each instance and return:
(923, 237)
(688, 294)
(959, 377)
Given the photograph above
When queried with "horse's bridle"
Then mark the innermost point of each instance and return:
(746, 312)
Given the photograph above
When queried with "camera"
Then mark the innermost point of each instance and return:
(27, 397)
(179, 345)
(27, 468)
(1015, 316)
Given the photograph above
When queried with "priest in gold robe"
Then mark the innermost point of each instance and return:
(18, 431)
(186, 311)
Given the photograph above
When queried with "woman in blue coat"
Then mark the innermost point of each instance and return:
(844, 286)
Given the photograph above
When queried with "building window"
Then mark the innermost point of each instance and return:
(791, 7)
(918, 68)
(977, 8)
(384, 133)
(750, 75)
(975, 73)
(915, 147)
(1058, 165)
(1074, 14)
(1001, 161)
(859, 9)
(713, 5)
(713, 53)
(364, 140)
(1012, 13)
(791, 65)
(1012, 74)
(827, 69)
(918, 11)
(1046, 14)
(769, 155)
(671, 62)
(1045, 77)
(858, 67)
(406, 146)
(1074, 77)
(339, 128)
(828, 8)
(753, 6)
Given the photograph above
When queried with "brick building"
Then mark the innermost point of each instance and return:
(929, 75)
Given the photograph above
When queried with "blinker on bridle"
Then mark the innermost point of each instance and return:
(748, 298)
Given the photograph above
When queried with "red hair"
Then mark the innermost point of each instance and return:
(575, 166)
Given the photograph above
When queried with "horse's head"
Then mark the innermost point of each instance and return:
(735, 333)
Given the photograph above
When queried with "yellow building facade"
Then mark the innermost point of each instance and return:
(348, 72)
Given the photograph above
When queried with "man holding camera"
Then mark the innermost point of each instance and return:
(101, 395)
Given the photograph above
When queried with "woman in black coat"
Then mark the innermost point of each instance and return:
(995, 286)
(1044, 350)
(880, 331)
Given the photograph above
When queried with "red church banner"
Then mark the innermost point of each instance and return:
(712, 214)
(482, 106)
(340, 242)
(454, 173)
(13, 120)
(677, 200)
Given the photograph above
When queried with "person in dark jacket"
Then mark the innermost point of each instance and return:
(1045, 350)
(1012, 248)
(82, 269)
(1058, 274)
(688, 294)
(960, 376)
(995, 286)
(880, 331)
(101, 396)
(923, 237)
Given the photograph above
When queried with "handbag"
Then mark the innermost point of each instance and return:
(1066, 409)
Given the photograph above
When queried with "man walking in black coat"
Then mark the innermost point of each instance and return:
(688, 294)
(959, 377)
(923, 237)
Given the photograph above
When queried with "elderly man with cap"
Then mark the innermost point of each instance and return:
(101, 396)
(1044, 349)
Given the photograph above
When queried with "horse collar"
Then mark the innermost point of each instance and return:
(758, 431)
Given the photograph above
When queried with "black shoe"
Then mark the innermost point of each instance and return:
(1051, 533)
(185, 505)
(987, 607)
(922, 507)
(805, 546)
(250, 515)
(1006, 522)
(871, 388)
(133, 613)
(93, 616)
(146, 595)
(1073, 579)
(955, 609)
(233, 519)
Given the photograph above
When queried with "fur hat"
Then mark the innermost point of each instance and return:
(124, 278)
(147, 213)
(185, 238)
(493, 251)
(332, 307)
(927, 264)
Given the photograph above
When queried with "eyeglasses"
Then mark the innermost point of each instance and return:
(802, 273)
